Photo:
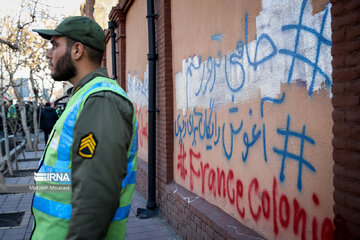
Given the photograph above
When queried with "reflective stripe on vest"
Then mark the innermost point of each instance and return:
(63, 210)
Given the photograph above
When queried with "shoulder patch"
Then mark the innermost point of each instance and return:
(87, 146)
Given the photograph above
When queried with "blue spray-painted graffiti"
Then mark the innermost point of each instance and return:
(203, 126)
(228, 72)
(138, 90)
(209, 68)
(285, 154)
(320, 40)
(248, 144)
(232, 133)
(255, 63)
(272, 100)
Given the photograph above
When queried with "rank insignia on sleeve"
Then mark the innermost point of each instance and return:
(87, 146)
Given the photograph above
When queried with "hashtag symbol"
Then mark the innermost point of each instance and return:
(286, 155)
(322, 41)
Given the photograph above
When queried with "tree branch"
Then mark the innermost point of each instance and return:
(9, 44)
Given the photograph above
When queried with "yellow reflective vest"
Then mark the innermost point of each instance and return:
(52, 209)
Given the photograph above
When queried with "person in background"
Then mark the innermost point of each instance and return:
(48, 119)
(58, 110)
(94, 140)
(11, 115)
(29, 110)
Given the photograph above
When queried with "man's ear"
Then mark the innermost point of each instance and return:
(77, 51)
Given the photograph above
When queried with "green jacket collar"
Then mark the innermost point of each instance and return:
(102, 72)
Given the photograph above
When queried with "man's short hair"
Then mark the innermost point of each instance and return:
(94, 55)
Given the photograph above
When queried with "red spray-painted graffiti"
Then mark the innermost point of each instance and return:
(283, 211)
(141, 117)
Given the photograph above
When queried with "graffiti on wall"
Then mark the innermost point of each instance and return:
(200, 127)
(300, 46)
(212, 132)
(137, 90)
(287, 212)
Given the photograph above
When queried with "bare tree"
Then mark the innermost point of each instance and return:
(27, 53)
(4, 124)
(39, 75)
(87, 9)
(10, 45)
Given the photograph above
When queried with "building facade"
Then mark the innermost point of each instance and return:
(257, 130)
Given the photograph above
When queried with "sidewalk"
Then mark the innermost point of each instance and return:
(20, 203)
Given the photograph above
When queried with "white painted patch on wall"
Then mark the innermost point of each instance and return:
(137, 90)
(292, 46)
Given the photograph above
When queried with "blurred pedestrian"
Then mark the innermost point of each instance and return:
(11, 115)
(48, 119)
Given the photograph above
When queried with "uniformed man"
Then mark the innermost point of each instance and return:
(95, 140)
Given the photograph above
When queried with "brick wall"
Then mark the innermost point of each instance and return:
(164, 86)
(202, 220)
(346, 115)
(191, 220)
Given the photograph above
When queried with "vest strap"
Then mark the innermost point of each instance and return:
(63, 211)
(129, 179)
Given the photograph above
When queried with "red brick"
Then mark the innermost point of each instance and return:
(346, 158)
(209, 231)
(338, 88)
(199, 229)
(197, 220)
(352, 45)
(346, 154)
(342, 230)
(349, 214)
(346, 20)
(341, 130)
(339, 60)
(353, 87)
(354, 229)
(355, 132)
(338, 35)
(353, 201)
(353, 32)
(345, 74)
(347, 171)
(351, 6)
(352, 59)
(204, 235)
(339, 197)
(352, 115)
(353, 145)
(345, 101)
(338, 115)
(338, 48)
(190, 233)
(183, 232)
(192, 224)
(346, 186)
(337, 9)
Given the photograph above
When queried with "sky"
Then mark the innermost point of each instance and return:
(57, 7)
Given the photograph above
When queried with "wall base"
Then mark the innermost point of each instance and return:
(191, 216)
